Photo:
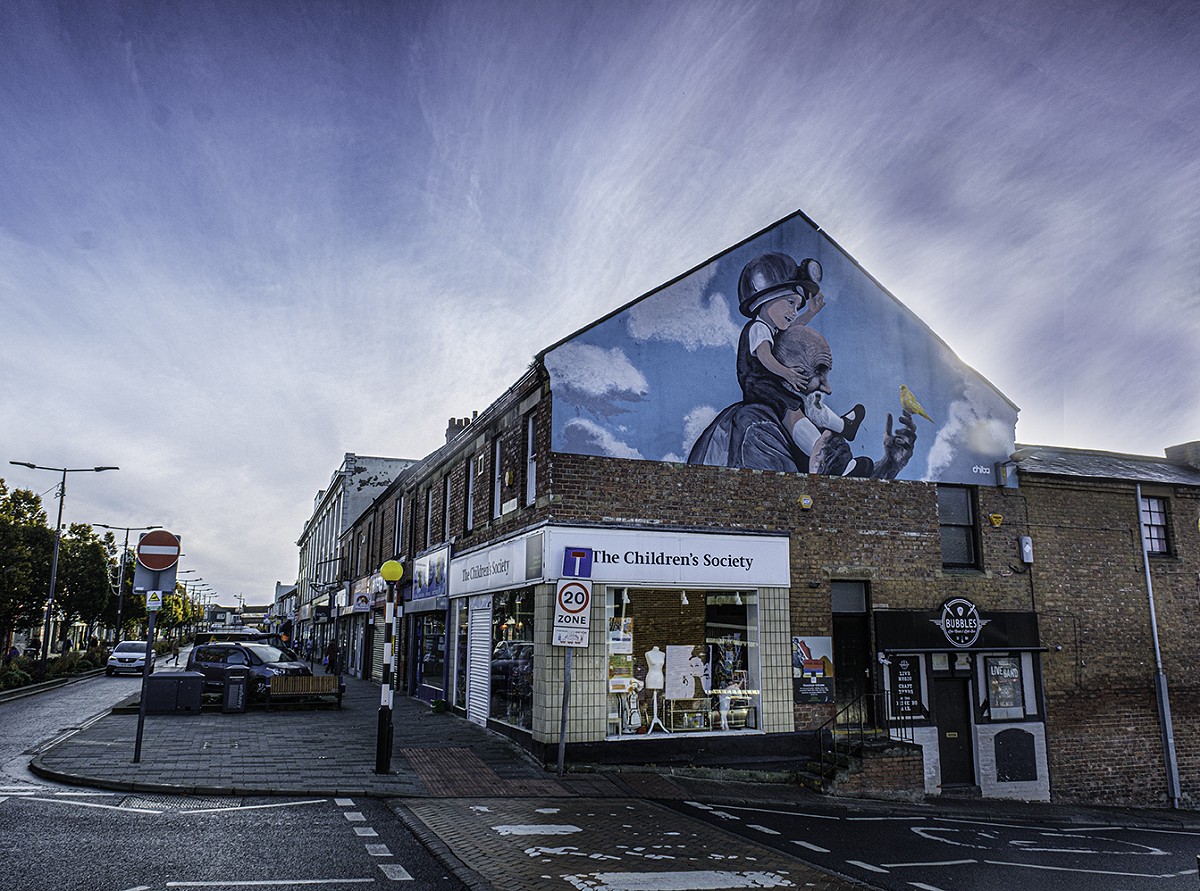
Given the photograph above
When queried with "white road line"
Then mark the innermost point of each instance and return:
(1095, 872)
(366, 831)
(811, 846)
(765, 829)
(883, 819)
(865, 866)
(139, 888)
(930, 863)
(925, 887)
(107, 807)
(267, 883)
(255, 807)
(378, 851)
(355, 817)
(344, 802)
(764, 810)
(395, 872)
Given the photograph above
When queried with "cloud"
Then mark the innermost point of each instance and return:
(587, 437)
(969, 427)
(602, 379)
(686, 313)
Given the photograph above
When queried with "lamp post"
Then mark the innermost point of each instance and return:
(121, 575)
(62, 496)
(391, 572)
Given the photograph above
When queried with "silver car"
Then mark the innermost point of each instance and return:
(128, 656)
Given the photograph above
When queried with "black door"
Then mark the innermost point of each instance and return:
(953, 713)
(852, 666)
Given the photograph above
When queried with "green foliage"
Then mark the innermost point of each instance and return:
(13, 677)
(84, 566)
(26, 548)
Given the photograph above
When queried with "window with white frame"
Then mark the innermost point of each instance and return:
(1154, 526)
(530, 461)
(396, 539)
(497, 478)
(469, 496)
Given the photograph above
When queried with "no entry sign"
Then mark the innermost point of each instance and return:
(158, 550)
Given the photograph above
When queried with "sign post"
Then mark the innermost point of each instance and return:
(572, 625)
(158, 558)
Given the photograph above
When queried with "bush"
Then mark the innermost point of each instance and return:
(12, 677)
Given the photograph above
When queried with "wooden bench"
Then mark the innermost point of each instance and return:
(300, 687)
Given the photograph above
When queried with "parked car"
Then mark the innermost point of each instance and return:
(128, 656)
(261, 661)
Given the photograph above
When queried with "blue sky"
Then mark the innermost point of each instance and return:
(238, 240)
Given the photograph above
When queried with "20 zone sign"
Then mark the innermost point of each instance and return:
(572, 613)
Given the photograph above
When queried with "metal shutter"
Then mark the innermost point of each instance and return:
(377, 647)
(479, 659)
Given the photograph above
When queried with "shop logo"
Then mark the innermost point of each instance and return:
(960, 622)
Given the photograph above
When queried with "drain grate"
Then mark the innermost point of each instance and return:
(178, 802)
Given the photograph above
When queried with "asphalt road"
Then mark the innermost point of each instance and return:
(892, 847)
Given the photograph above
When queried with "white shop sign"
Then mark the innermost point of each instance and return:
(676, 558)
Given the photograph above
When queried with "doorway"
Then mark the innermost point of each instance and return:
(852, 653)
(952, 707)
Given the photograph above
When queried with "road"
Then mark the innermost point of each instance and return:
(56, 836)
(891, 846)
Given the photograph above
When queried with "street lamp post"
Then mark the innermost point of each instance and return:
(121, 575)
(391, 572)
(62, 496)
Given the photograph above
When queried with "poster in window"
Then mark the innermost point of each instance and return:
(812, 669)
(905, 686)
(620, 673)
(1004, 682)
(620, 634)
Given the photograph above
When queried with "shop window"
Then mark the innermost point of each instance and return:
(956, 521)
(1005, 694)
(682, 661)
(1154, 526)
(512, 658)
(460, 670)
(431, 651)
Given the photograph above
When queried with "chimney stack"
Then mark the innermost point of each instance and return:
(456, 426)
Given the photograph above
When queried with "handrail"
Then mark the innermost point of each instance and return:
(878, 706)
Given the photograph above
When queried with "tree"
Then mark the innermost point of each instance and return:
(26, 548)
(84, 568)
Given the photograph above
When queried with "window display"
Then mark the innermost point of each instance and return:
(682, 661)
(431, 653)
(512, 658)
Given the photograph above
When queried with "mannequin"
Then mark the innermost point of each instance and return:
(655, 679)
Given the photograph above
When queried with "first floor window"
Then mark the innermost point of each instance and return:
(1154, 526)
(956, 522)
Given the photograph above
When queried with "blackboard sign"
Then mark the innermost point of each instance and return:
(906, 686)
(1004, 682)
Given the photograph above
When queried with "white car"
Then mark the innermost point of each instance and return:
(128, 655)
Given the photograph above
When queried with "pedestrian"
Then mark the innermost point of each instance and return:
(175, 651)
(12, 654)
(331, 657)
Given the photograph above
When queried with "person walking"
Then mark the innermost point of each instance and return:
(175, 651)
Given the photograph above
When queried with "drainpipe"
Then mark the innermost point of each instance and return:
(1160, 677)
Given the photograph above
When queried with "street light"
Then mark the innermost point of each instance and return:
(391, 572)
(62, 496)
(121, 577)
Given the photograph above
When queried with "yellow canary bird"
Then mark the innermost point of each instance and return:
(909, 401)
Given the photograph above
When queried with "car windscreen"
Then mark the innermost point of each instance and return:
(130, 646)
(266, 653)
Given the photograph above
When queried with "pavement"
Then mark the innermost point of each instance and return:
(494, 815)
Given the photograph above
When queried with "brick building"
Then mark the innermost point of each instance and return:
(901, 564)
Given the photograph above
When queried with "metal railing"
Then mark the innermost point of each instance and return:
(869, 717)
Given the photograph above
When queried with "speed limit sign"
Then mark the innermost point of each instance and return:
(572, 613)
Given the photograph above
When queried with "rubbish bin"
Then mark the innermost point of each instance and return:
(168, 692)
(236, 689)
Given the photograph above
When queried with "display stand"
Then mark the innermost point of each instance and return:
(655, 719)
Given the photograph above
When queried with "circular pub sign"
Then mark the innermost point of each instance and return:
(960, 622)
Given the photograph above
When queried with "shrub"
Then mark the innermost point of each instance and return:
(13, 677)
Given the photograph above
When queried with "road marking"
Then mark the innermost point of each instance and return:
(865, 866)
(344, 802)
(811, 846)
(536, 829)
(395, 872)
(107, 807)
(925, 887)
(254, 807)
(355, 817)
(266, 883)
(767, 829)
(1095, 872)
(931, 863)
(365, 831)
(378, 851)
(700, 880)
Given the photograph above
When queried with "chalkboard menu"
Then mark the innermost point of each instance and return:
(906, 685)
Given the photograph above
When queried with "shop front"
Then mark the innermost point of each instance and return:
(687, 635)
(969, 682)
(425, 615)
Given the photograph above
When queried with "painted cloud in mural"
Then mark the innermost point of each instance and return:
(666, 377)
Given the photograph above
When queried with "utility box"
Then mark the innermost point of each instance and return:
(174, 692)
(237, 684)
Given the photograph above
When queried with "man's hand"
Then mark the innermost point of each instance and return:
(897, 447)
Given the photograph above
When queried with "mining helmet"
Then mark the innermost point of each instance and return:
(774, 275)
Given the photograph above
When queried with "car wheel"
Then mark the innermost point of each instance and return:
(109, 672)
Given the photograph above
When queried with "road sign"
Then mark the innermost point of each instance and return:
(158, 550)
(572, 613)
(153, 600)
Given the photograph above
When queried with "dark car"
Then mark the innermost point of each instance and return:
(261, 662)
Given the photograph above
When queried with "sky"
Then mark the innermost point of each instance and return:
(241, 239)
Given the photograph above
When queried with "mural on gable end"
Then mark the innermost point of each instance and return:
(780, 354)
